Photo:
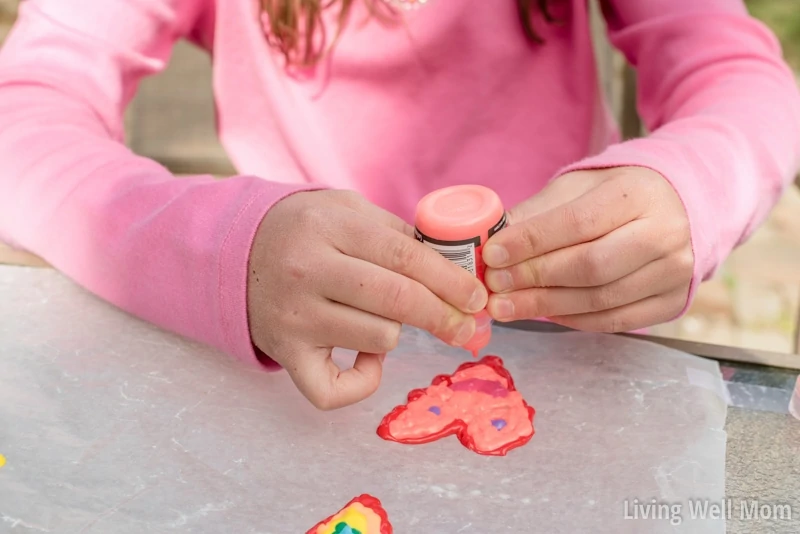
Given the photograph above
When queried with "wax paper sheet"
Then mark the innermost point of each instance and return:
(109, 425)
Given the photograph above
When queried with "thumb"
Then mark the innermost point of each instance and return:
(327, 387)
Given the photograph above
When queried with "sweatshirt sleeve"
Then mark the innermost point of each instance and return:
(723, 113)
(173, 251)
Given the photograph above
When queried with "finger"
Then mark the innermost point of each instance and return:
(596, 263)
(363, 207)
(388, 219)
(564, 189)
(400, 254)
(653, 279)
(605, 208)
(641, 314)
(353, 329)
(327, 386)
(384, 293)
(548, 198)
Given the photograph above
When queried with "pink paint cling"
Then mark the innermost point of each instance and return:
(456, 222)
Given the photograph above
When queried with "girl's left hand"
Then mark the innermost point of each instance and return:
(602, 250)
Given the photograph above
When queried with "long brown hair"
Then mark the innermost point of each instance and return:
(296, 28)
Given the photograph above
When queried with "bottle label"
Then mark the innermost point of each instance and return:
(465, 253)
(502, 223)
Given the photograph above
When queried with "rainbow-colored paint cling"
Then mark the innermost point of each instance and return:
(362, 515)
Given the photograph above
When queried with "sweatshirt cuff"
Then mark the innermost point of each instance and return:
(232, 272)
(684, 179)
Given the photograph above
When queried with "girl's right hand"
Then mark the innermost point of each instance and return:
(329, 269)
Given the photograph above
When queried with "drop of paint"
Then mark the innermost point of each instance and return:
(435, 409)
(498, 423)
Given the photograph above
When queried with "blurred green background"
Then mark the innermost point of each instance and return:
(783, 16)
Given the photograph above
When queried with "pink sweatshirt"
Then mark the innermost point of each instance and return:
(456, 95)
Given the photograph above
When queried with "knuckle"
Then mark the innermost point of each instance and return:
(660, 246)
(406, 253)
(442, 324)
(296, 267)
(685, 262)
(529, 236)
(322, 401)
(311, 216)
(675, 237)
(600, 298)
(318, 393)
(580, 222)
(370, 384)
(595, 267)
(320, 397)
(398, 298)
(531, 273)
(388, 337)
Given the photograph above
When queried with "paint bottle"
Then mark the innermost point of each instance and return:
(456, 222)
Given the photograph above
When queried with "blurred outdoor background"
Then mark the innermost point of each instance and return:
(754, 300)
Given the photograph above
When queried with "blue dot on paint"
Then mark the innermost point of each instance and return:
(435, 409)
(344, 528)
(498, 423)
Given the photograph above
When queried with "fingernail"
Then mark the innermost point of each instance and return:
(478, 300)
(495, 255)
(499, 281)
(465, 333)
(503, 308)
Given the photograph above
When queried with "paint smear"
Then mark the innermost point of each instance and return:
(362, 515)
(478, 403)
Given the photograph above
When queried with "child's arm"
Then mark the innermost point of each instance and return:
(176, 251)
(723, 109)
(172, 251)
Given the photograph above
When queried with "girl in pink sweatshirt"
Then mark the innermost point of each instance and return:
(341, 115)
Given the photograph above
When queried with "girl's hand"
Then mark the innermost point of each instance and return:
(329, 269)
(603, 250)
